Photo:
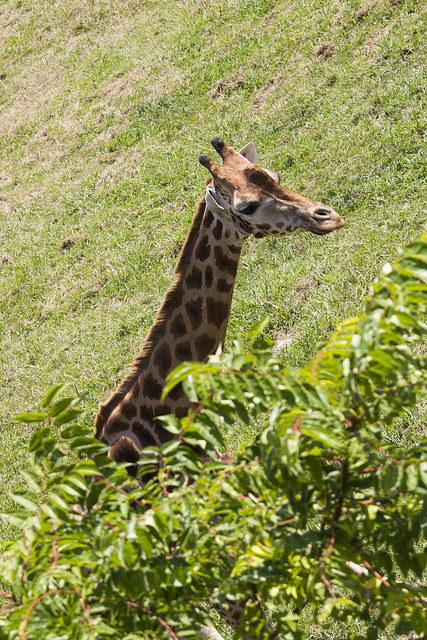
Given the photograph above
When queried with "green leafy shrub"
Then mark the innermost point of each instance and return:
(322, 509)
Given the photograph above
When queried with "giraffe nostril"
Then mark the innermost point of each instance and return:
(322, 214)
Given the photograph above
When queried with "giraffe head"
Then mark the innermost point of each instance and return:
(252, 199)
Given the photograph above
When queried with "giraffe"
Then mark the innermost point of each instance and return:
(241, 199)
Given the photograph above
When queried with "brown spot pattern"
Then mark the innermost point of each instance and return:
(194, 279)
(221, 259)
(203, 249)
(232, 267)
(128, 410)
(163, 359)
(217, 231)
(177, 392)
(161, 433)
(217, 312)
(178, 327)
(116, 426)
(124, 450)
(205, 345)
(183, 351)
(224, 286)
(146, 413)
(209, 218)
(245, 226)
(151, 388)
(162, 410)
(208, 277)
(144, 435)
(194, 310)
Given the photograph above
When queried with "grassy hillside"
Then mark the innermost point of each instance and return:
(104, 108)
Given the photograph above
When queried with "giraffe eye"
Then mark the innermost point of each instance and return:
(249, 208)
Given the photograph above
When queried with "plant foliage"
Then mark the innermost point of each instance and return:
(320, 509)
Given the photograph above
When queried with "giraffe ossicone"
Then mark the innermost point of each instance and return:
(241, 199)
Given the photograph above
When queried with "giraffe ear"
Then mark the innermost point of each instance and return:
(249, 152)
(273, 174)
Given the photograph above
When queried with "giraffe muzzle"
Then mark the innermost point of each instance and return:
(323, 220)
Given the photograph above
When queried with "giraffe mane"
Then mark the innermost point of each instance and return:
(106, 408)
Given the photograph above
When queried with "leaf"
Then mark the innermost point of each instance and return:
(40, 435)
(171, 423)
(67, 416)
(412, 477)
(15, 518)
(27, 501)
(32, 479)
(69, 490)
(76, 481)
(75, 431)
(183, 371)
(56, 500)
(170, 447)
(323, 435)
(59, 406)
(423, 472)
(47, 509)
(257, 329)
(31, 416)
(50, 395)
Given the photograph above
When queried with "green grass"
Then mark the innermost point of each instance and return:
(104, 108)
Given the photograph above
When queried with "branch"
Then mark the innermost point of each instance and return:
(364, 570)
(56, 556)
(26, 617)
(109, 484)
(160, 620)
(357, 568)
(332, 529)
(271, 631)
(7, 608)
(328, 585)
(337, 513)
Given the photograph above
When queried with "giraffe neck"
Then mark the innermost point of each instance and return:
(191, 324)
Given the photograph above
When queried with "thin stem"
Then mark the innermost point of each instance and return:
(26, 617)
(160, 620)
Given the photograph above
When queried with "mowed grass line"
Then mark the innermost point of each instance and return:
(104, 108)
